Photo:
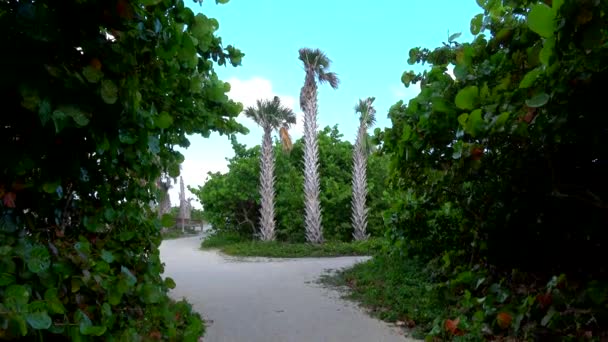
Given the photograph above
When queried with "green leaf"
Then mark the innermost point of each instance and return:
(501, 120)
(556, 5)
(475, 123)
(53, 302)
(547, 51)
(19, 320)
(530, 78)
(151, 293)
(170, 283)
(107, 256)
(441, 105)
(131, 279)
(86, 326)
(6, 279)
(150, 2)
(538, 100)
(60, 120)
(93, 75)
(462, 119)
(541, 20)
(221, 1)
(109, 91)
(38, 259)
(476, 24)
(92, 330)
(467, 97)
(163, 120)
(407, 77)
(80, 118)
(16, 297)
(45, 112)
(39, 320)
(201, 27)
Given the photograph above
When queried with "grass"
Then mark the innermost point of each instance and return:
(236, 245)
(177, 233)
(393, 290)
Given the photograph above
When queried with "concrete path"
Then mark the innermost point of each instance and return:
(268, 300)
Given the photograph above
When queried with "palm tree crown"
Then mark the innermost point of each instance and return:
(270, 115)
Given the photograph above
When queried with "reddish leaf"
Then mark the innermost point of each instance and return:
(504, 319)
(545, 300)
(452, 327)
(156, 335)
(95, 63)
(9, 199)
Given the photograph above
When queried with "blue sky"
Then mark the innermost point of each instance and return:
(367, 41)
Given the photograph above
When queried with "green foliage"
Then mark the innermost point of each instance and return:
(232, 200)
(499, 175)
(393, 289)
(96, 95)
(237, 245)
(221, 239)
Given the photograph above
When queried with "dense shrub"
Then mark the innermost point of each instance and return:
(95, 96)
(501, 171)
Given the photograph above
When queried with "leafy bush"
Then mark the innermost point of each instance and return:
(500, 173)
(222, 238)
(96, 95)
(231, 200)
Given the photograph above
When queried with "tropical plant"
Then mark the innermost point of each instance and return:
(270, 115)
(96, 97)
(501, 172)
(367, 118)
(316, 67)
(232, 202)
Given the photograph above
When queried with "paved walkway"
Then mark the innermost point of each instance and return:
(268, 300)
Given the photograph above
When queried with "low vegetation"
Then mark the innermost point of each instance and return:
(394, 289)
(236, 245)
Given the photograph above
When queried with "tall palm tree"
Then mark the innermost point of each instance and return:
(316, 66)
(270, 115)
(367, 117)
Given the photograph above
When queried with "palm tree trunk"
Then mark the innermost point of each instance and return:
(359, 214)
(312, 204)
(267, 223)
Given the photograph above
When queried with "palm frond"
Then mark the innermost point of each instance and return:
(331, 78)
(286, 141)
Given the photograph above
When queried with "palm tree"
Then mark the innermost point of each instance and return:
(164, 184)
(270, 115)
(316, 66)
(367, 117)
